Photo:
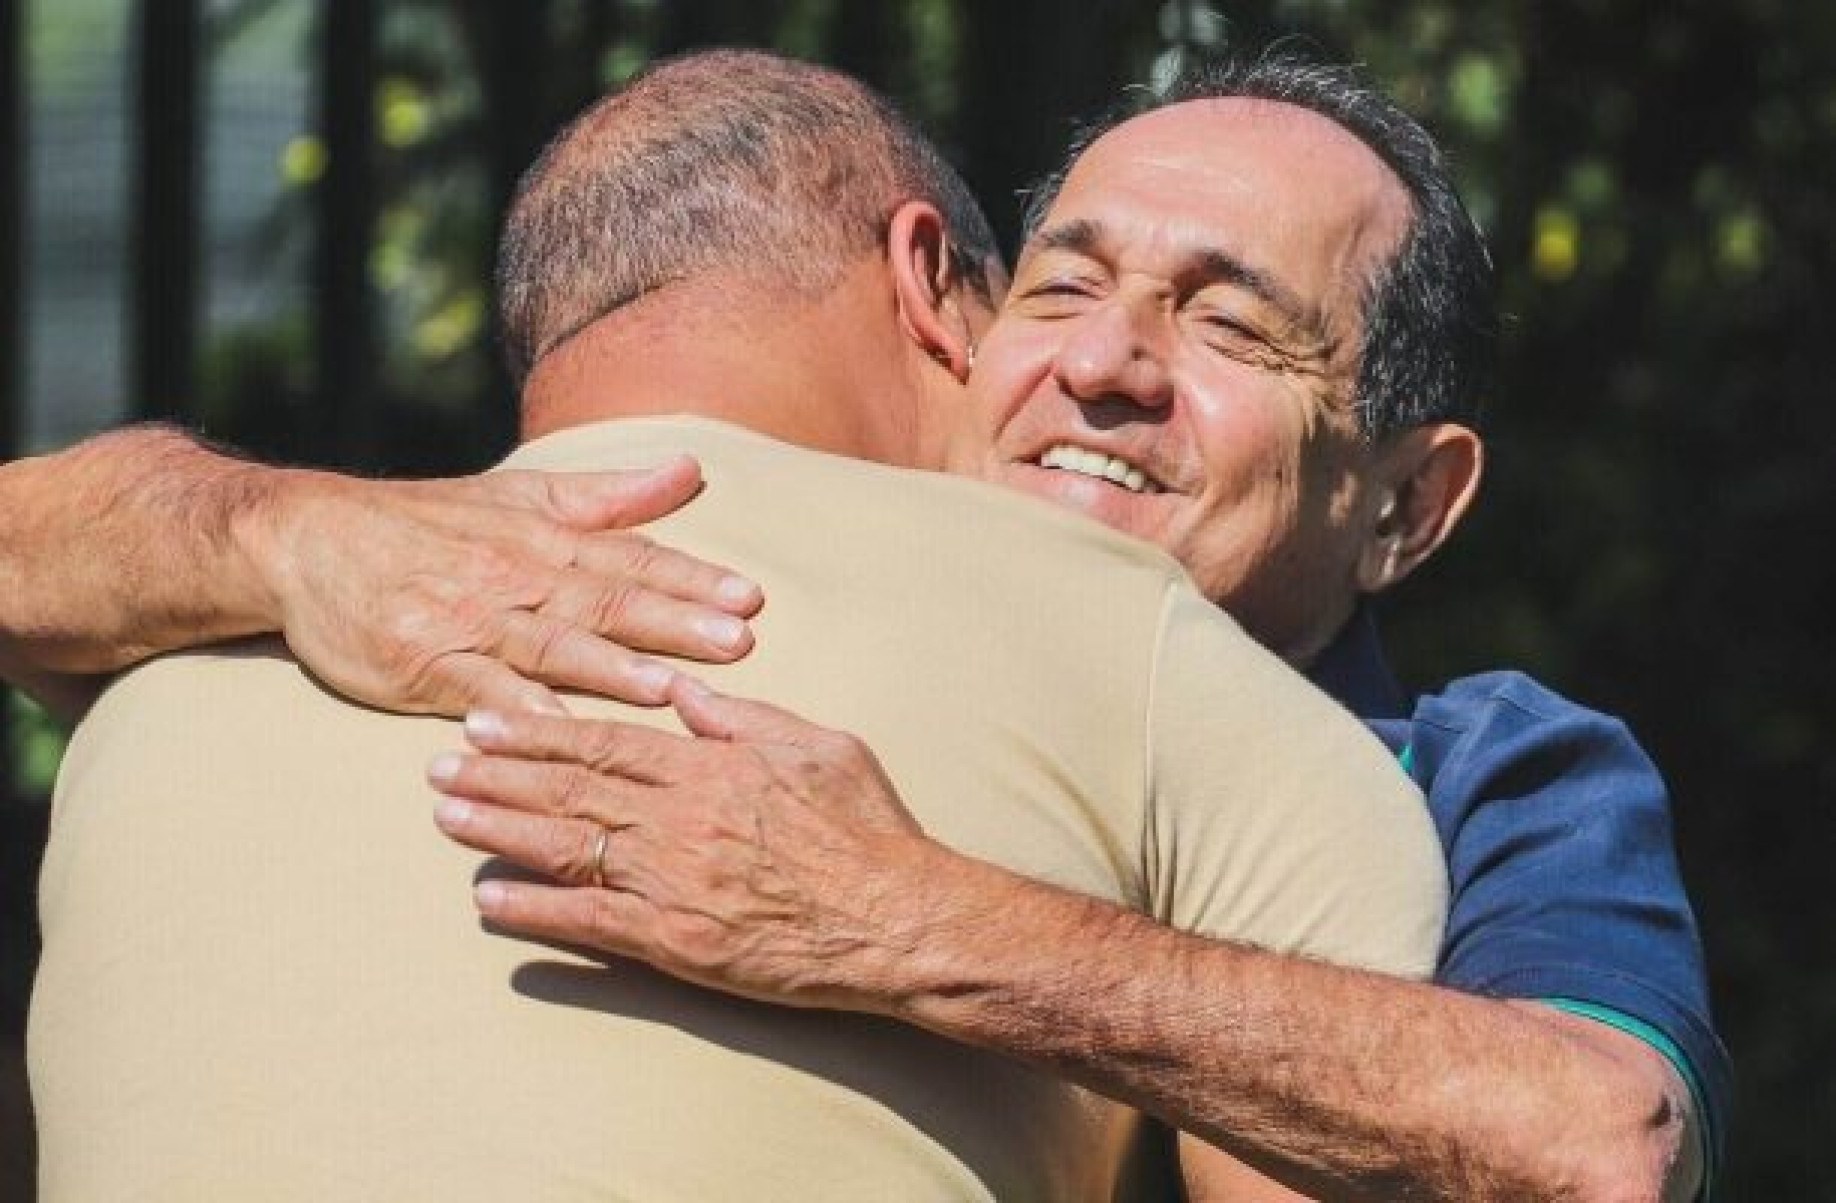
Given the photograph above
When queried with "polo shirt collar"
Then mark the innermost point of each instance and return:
(1354, 671)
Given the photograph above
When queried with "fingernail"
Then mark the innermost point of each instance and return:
(444, 768)
(452, 814)
(486, 724)
(720, 631)
(653, 676)
(736, 591)
(489, 895)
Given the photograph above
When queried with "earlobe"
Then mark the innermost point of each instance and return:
(1429, 477)
(926, 287)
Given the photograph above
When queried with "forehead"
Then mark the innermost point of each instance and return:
(1278, 186)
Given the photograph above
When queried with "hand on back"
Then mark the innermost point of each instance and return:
(496, 590)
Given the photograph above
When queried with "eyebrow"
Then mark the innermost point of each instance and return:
(1085, 236)
(1081, 236)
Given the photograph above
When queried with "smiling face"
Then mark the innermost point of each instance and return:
(1178, 354)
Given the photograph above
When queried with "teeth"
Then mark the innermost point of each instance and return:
(1095, 463)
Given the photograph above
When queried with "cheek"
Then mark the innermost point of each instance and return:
(1250, 440)
(1250, 447)
(1010, 365)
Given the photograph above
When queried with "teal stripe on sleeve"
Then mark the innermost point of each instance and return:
(1667, 1047)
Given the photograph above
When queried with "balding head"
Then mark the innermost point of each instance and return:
(721, 162)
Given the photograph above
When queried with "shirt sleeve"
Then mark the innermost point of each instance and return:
(1563, 871)
(1273, 816)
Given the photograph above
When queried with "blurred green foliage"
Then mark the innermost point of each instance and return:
(1659, 185)
(36, 743)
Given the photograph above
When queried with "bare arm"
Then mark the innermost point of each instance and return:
(427, 596)
(85, 590)
(800, 880)
(1341, 1084)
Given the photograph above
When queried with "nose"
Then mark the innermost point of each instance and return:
(1117, 352)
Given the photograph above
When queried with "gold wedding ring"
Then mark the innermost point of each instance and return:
(599, 857)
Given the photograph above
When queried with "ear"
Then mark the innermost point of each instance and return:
(927, 288)
(1426, 481)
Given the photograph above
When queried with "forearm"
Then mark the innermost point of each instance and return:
(124, 546)
(1340, 1083)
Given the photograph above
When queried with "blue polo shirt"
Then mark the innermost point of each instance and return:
(1556, 827)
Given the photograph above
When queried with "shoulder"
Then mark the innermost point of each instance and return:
(1508, 703)
(238, 700)
(1505, 735)
(162, 690)
(1536, 797)
(1506, 761)
(1274, 815)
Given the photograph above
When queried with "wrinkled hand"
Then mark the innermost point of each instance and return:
(770, 857)
(442, 596)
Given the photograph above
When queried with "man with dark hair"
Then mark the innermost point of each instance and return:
(1553, 821)
(1250, 325)
(307, 1011)
(1430, 320)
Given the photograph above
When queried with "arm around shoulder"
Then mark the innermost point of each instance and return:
(431, 596)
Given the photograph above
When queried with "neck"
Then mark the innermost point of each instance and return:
(816, 373)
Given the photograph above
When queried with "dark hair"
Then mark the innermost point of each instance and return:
(1430, 313)
(719, 160)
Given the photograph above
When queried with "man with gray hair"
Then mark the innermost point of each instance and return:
(309, 1012)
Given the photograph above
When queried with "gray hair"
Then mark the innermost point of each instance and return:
(718, 160)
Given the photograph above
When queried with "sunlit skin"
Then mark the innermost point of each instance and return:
(1192, 304)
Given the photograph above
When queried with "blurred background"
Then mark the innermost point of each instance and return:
(272, 220)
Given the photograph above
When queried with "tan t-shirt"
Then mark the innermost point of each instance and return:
(263, 977)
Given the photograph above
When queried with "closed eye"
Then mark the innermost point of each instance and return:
(1229, 327)
(1236, 338)
(1062, 286)
(1059, 296)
